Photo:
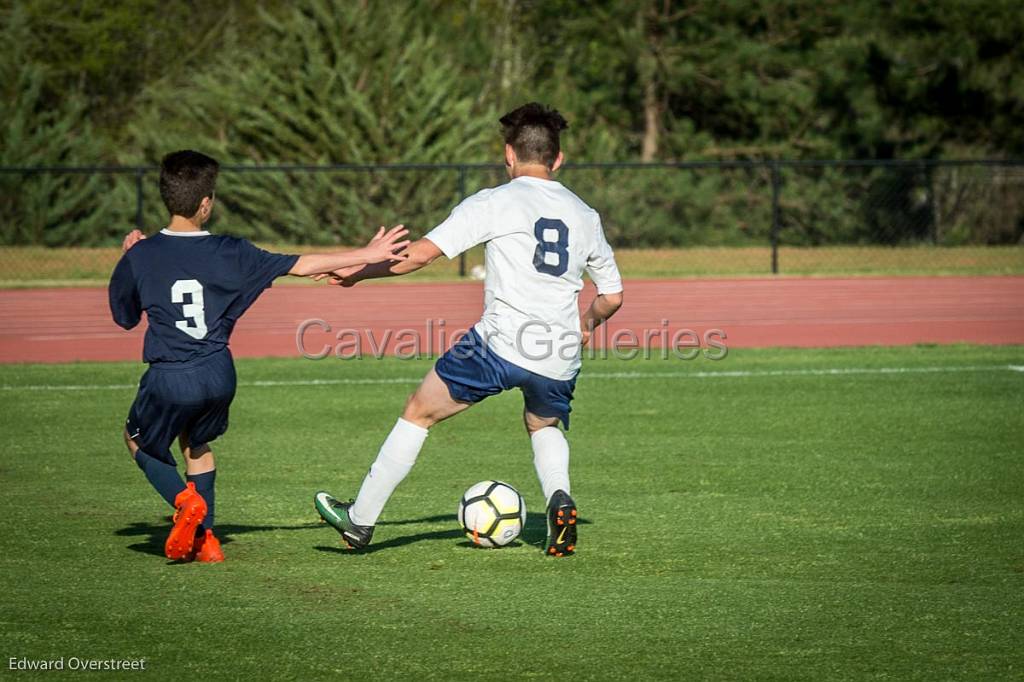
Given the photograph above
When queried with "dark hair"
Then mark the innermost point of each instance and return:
(185, 178)
(533, 130)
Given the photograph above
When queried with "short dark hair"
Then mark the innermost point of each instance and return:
(533, 131)
(186, 177)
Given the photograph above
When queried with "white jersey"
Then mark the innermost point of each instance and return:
(540, 238)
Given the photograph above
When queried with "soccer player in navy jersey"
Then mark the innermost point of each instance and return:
(193, 287)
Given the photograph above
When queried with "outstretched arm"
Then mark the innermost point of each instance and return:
(125, 306)
(601, 308)
(382, 249)
(420, 254)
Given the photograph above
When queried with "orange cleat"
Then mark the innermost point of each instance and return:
(191, 510)
(207, 547)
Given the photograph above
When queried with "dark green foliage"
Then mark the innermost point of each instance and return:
(42, 208)
(667, 206)
(344, 84)
(109, 51)
(316, 82)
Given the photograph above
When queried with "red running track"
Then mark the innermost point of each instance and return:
(64, 325)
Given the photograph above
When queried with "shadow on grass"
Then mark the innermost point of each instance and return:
(436, 518)
(395, 542)
(534, 533)
(155, 534)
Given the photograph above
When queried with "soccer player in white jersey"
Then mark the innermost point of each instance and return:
(540, 238)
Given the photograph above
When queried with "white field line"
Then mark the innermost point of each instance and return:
(627, 376)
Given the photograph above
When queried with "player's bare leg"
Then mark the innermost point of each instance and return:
(198, 460)
(551, 460)
(534, 423)
(430, 404)
(201, 473)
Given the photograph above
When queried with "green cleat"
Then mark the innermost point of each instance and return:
(336, 513)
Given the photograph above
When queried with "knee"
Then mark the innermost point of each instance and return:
(418, 413)
(534, 423)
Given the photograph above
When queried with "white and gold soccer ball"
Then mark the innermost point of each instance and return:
(492, 513)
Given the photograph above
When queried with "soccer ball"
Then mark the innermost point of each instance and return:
(492, 513)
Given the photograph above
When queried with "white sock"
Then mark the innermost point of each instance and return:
(393, 463)
(551, 460)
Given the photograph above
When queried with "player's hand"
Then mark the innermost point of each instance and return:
(131, 239)
(387, 245)
(346, 277)
(324, 275)
(587, 327)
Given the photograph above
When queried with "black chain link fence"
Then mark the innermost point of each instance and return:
(685, 219)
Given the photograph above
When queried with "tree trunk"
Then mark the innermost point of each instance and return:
(648, 72)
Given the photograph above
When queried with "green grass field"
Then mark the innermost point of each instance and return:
(785, 521)
(38, 266)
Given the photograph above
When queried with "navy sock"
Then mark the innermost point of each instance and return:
(204, 486)
(162, 476)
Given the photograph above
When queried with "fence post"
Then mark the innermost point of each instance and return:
(462, 195)
(933, 210)
(139, 174)
(776, 215)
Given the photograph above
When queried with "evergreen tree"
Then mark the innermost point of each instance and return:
(54, 209)
(343, 84)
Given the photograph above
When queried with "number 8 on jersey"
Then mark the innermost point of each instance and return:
(559, 246)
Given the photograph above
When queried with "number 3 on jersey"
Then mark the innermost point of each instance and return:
(548, 250)
(194, 311)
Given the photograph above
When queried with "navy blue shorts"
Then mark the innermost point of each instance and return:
(473, 372)
(191, 397)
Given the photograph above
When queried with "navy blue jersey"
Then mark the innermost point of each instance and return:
(193, 286)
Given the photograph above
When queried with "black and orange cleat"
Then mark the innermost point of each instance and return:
(562, 516)
(207, 547)
(190, 510)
